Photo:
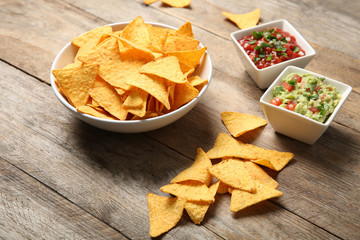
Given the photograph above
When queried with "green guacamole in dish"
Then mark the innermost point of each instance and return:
(308, 95)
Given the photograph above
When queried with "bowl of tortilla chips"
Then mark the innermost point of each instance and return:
(132, 76)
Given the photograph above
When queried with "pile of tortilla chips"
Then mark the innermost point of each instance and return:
(139, 72)
(237, 173)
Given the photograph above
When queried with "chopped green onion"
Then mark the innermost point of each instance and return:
(252, 42)
(295, 49)
(257, 35)
(269, 58)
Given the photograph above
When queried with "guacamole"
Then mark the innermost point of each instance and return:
(308, 95)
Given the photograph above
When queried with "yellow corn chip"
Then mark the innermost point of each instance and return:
(177, 3)
(153, 85)
(240, 123)
(136, 99)
(241, 199)
(105, 53)
(91, 38)
(185, 30)
(178, 42)
(108, 99)
(190, 190)
(223, 188)
(158, 38)
(198, 171)
(184, 93)
(164, 213)
(227, 146)
(197, 210)
(233, 173)
(76, 82)
(191, 58)
(137, 32)
(197, 82)
(165, 67)
(132, 51)
(147, 2)
(95, 112)
(244, 20)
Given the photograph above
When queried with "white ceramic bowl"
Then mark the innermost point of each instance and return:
(66, 56)
(293, 124)
(264, 77)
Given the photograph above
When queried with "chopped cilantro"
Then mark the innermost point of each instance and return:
(295, 49)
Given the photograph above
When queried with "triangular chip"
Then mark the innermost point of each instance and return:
(184, 93)
(158, 38)
(197, 82)
(178, 42)
(154, 85)
(233, 173)
(177, 3)
(240, 123)
(165, 67)
(164, 213)
(108, 99)
(185, 30)
(105, 53)
(241, 199)
(91, 38)
(95, 112)
(244, 20)
(147, 2)
(197, 210)
(136, 98)
(190, 190)
(76, 82)
(190, 58)
(227, 146)
(198, 171)
(137, 32)
(223, 188)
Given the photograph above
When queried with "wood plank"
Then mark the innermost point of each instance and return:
(30, 210)
(106, 174)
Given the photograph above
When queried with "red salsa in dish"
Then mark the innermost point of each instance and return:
(271, 46)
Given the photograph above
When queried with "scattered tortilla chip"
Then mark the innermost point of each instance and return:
(76, 82)
(95, 112)
(108, 99)
(233, 173)
(186, 30)
(164, 213)
(197, 210)
(227, 146)
(190, 190)
(147, 2)
(241, 199)
(177, 3)
(198, 171)
(178, 42)
(165, 67)
(244, 20)
(190, 58)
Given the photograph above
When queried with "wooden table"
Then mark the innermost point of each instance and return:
(63, 179)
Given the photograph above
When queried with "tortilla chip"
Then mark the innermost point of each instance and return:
(147, 2)
(190, 190)
(197, 210)
(178, 42)
(223, 188)
(227, 146)
(185, 30)
(76, 82)
(184, 93)
(241, 199)
(190, 58)
(95, 112)
(153, 85)
(165, 67)
(233, 173)
(158, 38)
(244, 20)
(108, 99)
(197, 82)
(164, 213)
(136, 31)
(198, 171)
(240, 123)
(177, 3)
(105, 53)
(91, 38)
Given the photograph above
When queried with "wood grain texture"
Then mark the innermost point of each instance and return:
(104, 177)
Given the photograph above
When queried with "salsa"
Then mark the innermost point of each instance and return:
(268, 47)
(308, 95)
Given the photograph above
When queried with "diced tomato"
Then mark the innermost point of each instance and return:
(291, 105)
(276, 101)
(323, 96)
(297, 78)
(317, 88)
(314, 109)
(287, 86)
